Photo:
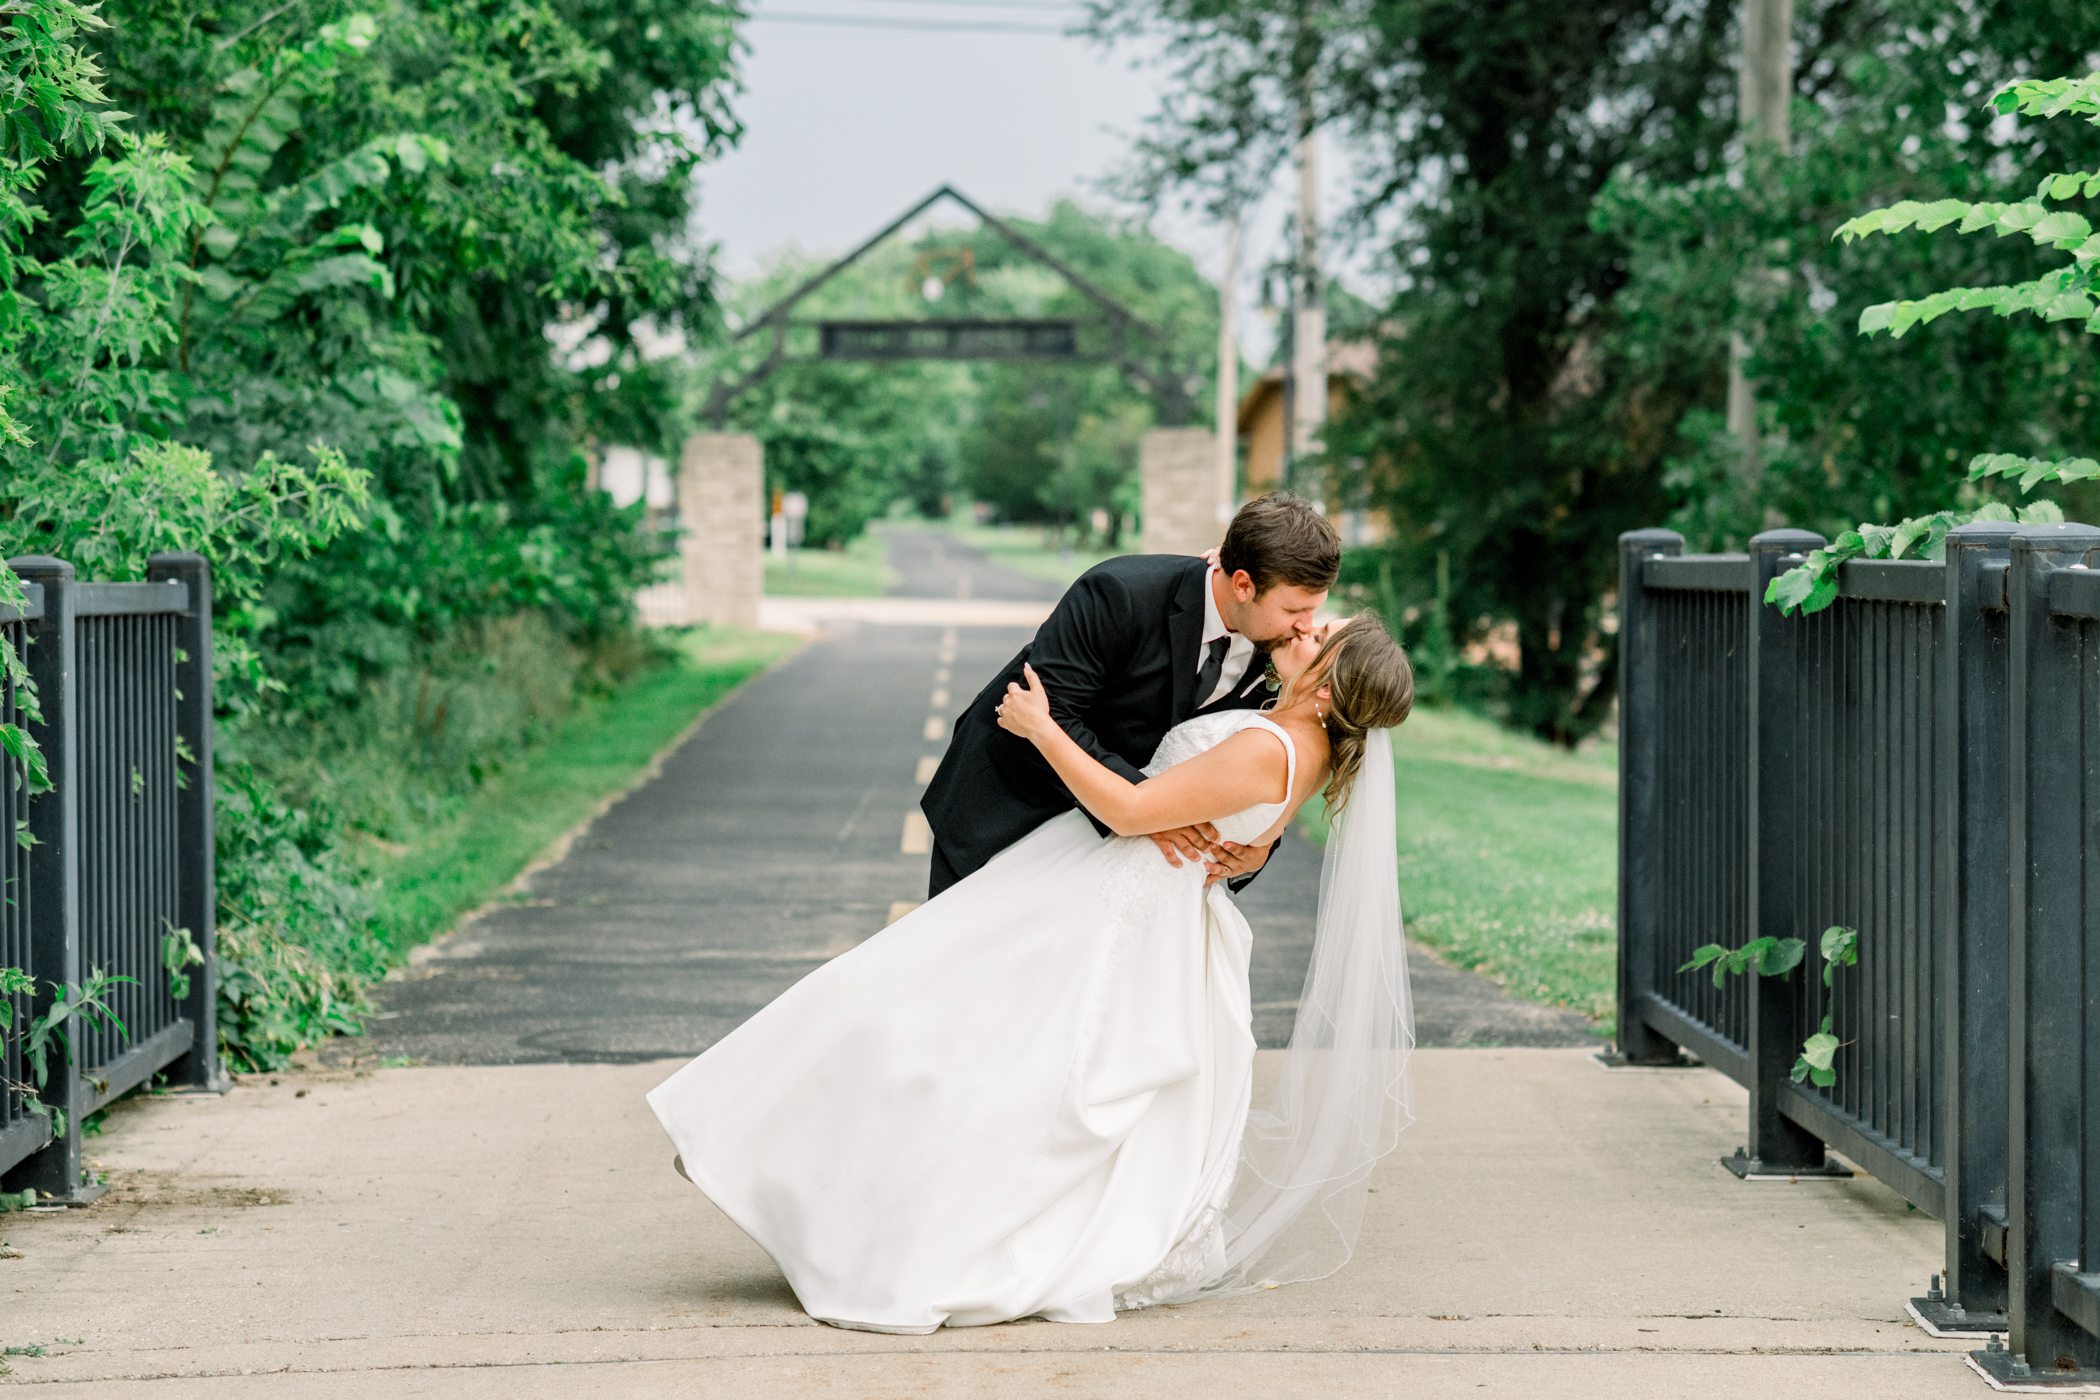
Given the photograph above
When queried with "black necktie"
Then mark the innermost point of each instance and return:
(1213, 667)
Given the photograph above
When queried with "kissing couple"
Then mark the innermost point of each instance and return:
(1034, 1095)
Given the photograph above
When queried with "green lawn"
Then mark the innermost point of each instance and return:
(860, 570)
(1509, 856)
(597, 752)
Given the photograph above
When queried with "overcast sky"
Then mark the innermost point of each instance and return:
(846, 127)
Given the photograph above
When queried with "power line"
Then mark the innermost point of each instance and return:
(965, 26)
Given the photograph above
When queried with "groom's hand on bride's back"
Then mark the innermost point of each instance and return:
(1232, 862)
(1186, 844)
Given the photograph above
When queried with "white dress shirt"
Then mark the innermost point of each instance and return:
(1237, 655)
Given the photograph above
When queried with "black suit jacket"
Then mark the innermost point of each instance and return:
(1119, 658)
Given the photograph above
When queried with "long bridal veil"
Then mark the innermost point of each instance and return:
(1344, 1093)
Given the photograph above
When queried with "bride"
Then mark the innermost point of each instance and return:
(1033, 1096)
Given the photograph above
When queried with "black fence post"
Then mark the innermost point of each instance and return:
(54, 873)
(1975, 722)
(196, 890)
(1777, 1145)
(1639, 1043)
(2047, 1162)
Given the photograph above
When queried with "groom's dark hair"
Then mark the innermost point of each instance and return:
(1282, 538)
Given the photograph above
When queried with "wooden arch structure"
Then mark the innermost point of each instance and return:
(1116, 335)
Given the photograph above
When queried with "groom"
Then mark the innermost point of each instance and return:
(1139, 644)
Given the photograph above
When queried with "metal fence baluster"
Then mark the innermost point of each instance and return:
(1974, 721)
(194, 884)
(1776, 1144)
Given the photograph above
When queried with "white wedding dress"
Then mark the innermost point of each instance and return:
(1025, 1098)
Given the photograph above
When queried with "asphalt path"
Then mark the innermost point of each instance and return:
(935, 564)
(777, 836)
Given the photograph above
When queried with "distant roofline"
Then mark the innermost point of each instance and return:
(1348, 359)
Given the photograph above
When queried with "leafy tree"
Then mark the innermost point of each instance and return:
(84, 374)
(2061, 297)
(1855, 429)
(291, 308)
(1553, 356)
(522, 162)
(1501, 430)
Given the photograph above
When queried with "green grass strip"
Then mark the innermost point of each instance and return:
(1509, 857)
(597, 752)
(860, 570)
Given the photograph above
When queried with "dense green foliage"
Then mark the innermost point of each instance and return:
(1562, 193)
(1038, 443)
(339, 295)
(2062, 294)
(1500, 431)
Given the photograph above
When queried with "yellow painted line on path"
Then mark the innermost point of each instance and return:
(918, 836)
(936, 729)
(899, 910)
(926, 766)
(940, 698)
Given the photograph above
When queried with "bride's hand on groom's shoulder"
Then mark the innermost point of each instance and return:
(1026, 709)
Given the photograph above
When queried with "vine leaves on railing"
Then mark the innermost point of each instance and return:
(1776, 957)
(47, 1031)
(1812, 585)
(1773, 957)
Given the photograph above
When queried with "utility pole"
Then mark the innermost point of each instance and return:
(1764, 90)
(1229, 374)
(1309, 300)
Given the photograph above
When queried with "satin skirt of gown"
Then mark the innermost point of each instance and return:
(1024, 1098)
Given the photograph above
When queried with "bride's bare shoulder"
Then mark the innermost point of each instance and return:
(1308, 742)
(1311, 743)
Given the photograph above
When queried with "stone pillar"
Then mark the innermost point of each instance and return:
(721, 495)
(1182, 499)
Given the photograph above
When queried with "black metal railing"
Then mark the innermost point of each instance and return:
(1922, 765)
(1795, 766)
(1782, 776)
(1683, 647)
(120, 872)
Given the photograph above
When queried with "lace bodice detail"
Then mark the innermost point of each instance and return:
(1191, 737)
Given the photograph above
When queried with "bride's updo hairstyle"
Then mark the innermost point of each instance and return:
(1372, 687)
